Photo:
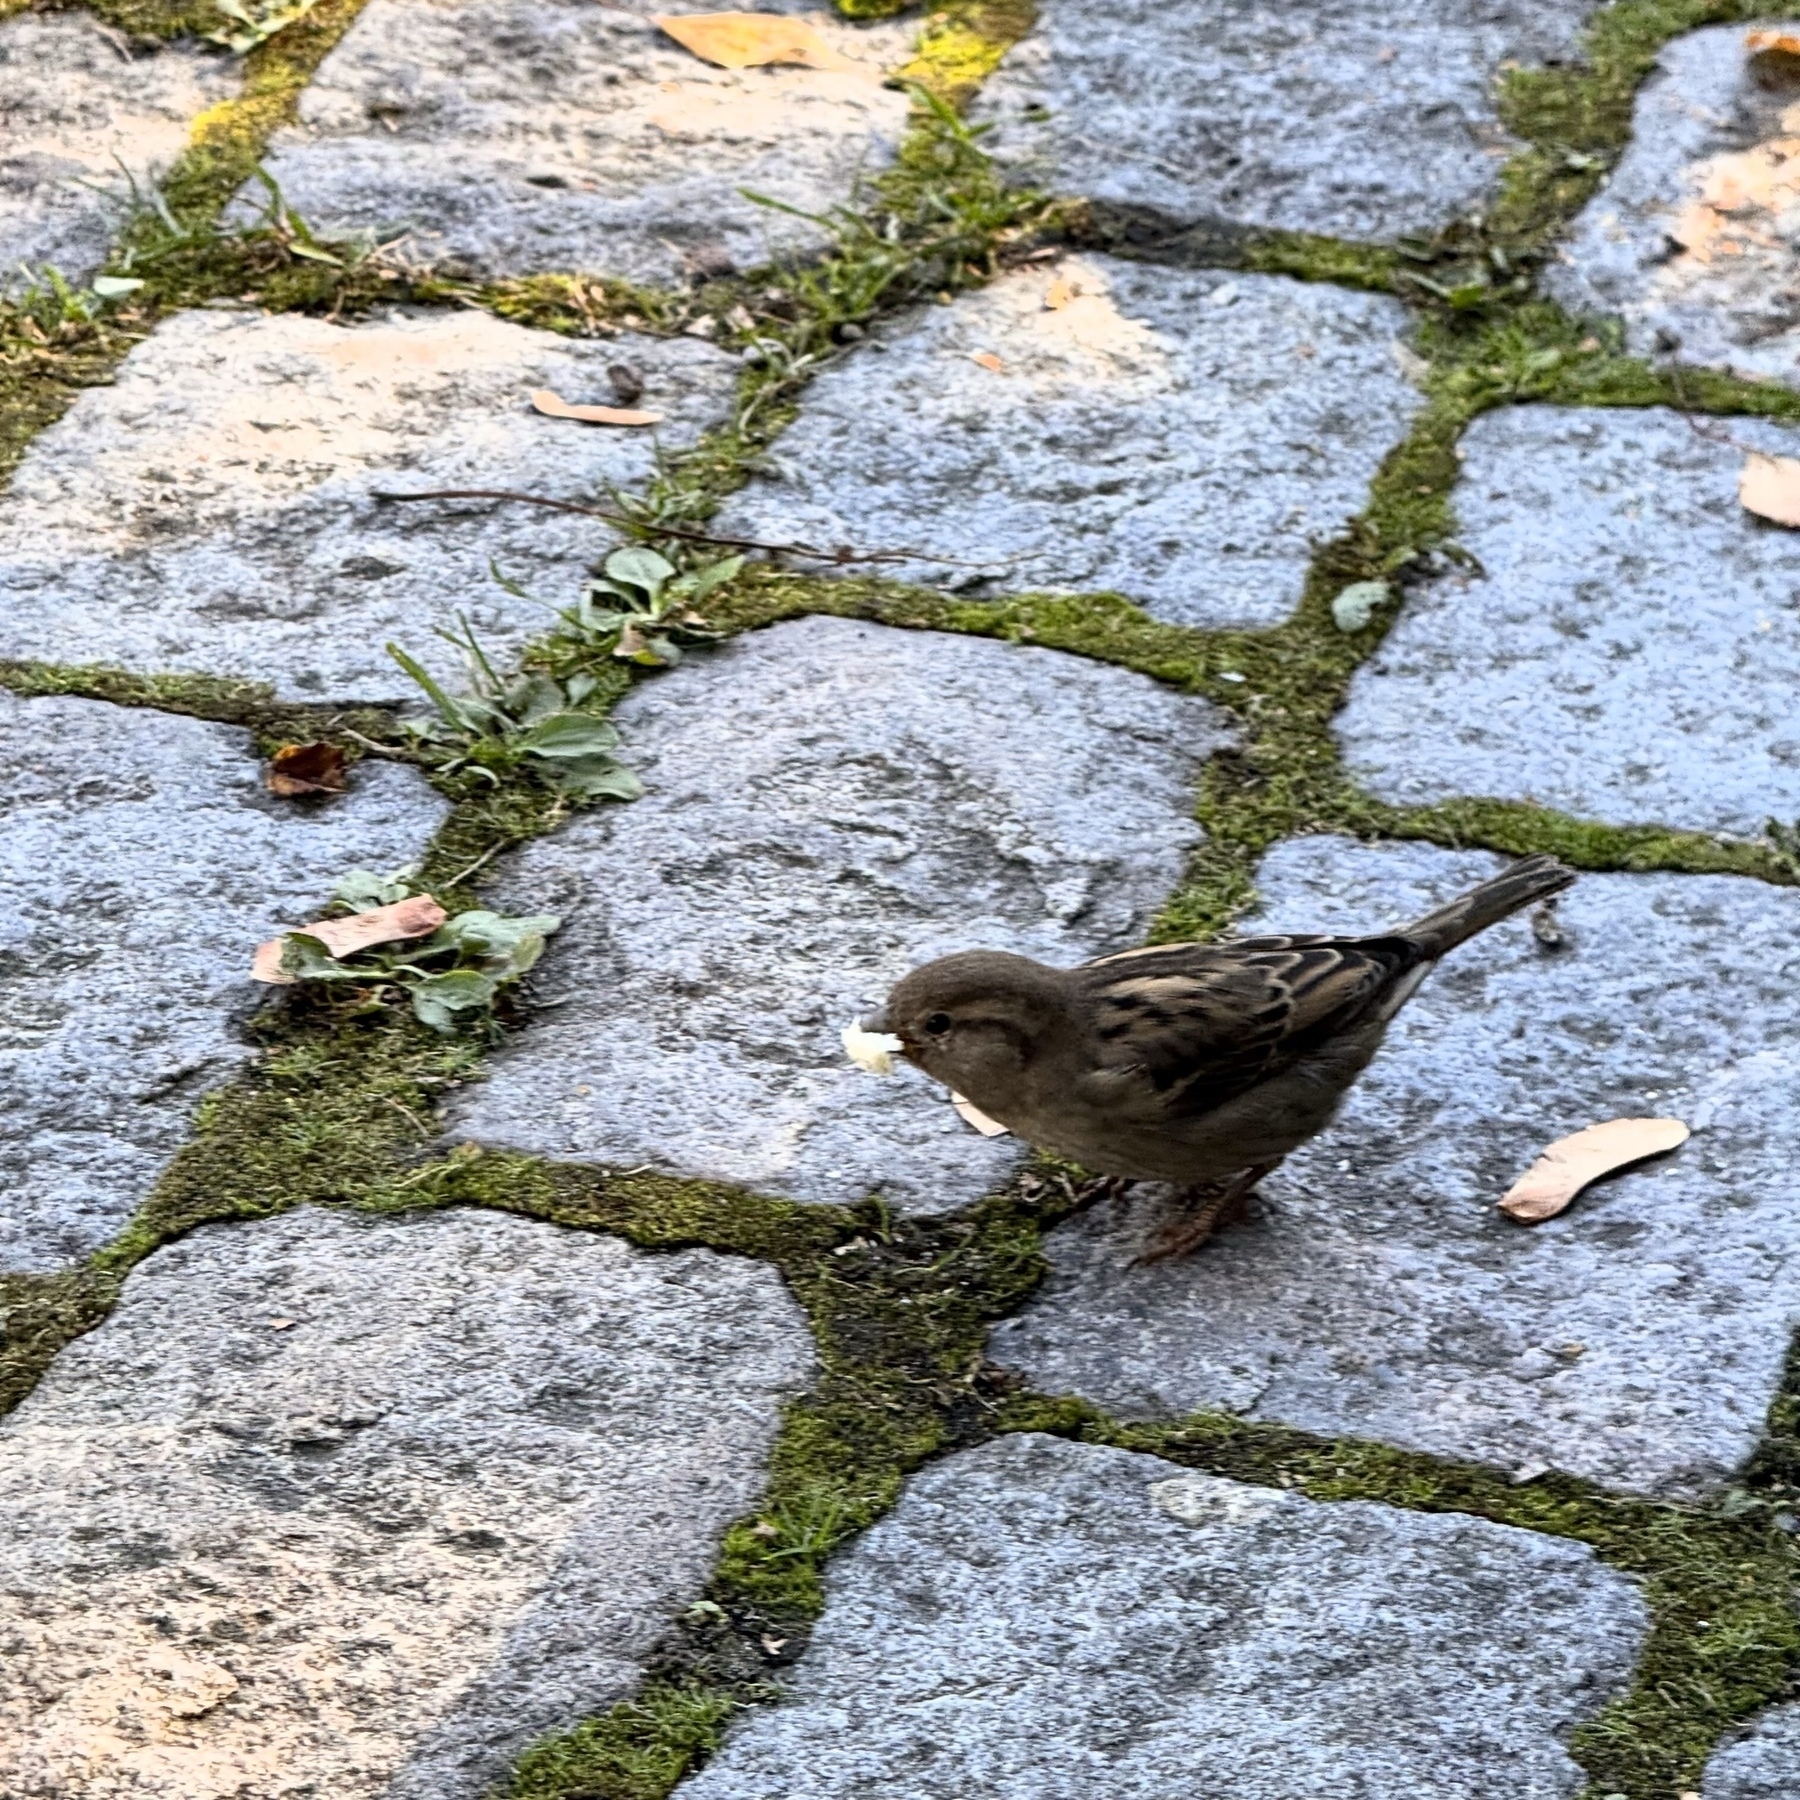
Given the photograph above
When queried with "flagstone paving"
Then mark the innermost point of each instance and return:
(1690, 241)
(1759, 1764)
(362, 1506)
(212, 510)
(474, 1416)
(1620, 592)
(84, 112)
(509, 136)
(1217, 113)
(142, 863)
(1042, 1619)
(837, 802)
(1181, 437)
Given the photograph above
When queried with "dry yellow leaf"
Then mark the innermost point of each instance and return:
(988, 360)
(1563, 1170)
(554, 406)
(1772, 40)
(1062, 291)
(417, 917)
(1770, 487)
(745, 40)
(973, 1115)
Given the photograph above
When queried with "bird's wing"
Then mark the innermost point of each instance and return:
(1180, 1029)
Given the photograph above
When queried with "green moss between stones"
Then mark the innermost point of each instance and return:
(1577, 118)
(250, 704)
(338, 1109)
(1725, 1639)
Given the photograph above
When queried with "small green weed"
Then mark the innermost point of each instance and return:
(525, 723)
(460, 968)
(642, 609)
(249, 26)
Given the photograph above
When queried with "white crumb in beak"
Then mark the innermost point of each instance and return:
(871, 1050)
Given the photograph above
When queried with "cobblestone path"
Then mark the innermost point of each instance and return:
(1118, 471)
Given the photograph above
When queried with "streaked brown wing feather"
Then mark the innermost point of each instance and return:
(1182, 1028)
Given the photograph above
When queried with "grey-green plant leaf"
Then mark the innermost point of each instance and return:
(362, 890)
(1355, 606)
(570, 734)
(639, 566)
(437, 1000)
(599, 780)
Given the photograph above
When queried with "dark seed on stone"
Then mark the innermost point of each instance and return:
(627, 383)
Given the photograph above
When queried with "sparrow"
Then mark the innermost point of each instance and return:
(1201, 1065)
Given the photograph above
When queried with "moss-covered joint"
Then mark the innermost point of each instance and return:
(343, 1108)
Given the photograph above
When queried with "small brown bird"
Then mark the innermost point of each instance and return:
(1198, 1064)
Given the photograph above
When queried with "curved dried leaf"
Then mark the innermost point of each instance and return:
(417, 917)
(554, 406)
(746, 40)
(1569, 1164)
(1770, 487)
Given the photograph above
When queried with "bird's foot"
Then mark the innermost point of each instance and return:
(1102, 1187)
(1223, 1203)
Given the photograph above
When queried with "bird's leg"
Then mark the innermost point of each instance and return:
(1227, 1204)
(1102, 1187)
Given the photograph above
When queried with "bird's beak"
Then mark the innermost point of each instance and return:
(876, 1021)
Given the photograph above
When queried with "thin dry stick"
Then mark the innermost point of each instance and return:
(842, 554)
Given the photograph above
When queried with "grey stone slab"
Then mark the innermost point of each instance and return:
(1760, 1763)
(81, 104)
(1636, 1340)
(1691, 240)
(829, 803)
(1039, 1620)
(1359, 122)
(359, 1507)
(140, 865)
(1181, 437)
(210, 511)
(511, 136)
(1631, 648)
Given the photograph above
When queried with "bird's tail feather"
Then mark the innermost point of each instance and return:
(1531, 879)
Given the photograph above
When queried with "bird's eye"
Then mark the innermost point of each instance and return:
(938, 1024)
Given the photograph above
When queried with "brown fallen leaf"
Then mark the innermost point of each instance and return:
(554, 406)
(417, 917)
(1770, 487)
(1569, 1164)
(973, 1115)
(988, 360)
(305, 769)
(1785, 41)
(1061, 292)
(745, 40)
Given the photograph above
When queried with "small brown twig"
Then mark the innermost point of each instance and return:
(689, 534)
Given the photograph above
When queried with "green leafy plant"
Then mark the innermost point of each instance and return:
(459, 969)
(50, 298)
(641, 609)
(525, 722)
(247, 27)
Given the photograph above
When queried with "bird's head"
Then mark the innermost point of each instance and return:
(976, 1020)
